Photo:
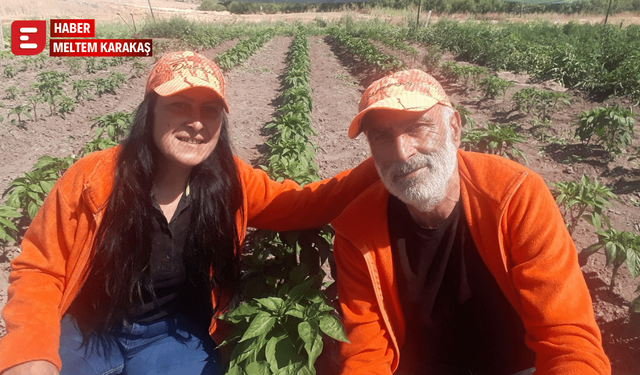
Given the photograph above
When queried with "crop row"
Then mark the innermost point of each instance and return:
(366, 52)
(240, 52)
(285, 312)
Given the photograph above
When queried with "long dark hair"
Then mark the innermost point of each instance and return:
(118, 273)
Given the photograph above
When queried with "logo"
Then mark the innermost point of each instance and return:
(28, 37)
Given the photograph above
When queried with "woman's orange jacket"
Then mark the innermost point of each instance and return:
(56, 248)
(521, 236)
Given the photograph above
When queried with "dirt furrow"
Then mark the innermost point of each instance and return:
(252, 90)
(335, 95)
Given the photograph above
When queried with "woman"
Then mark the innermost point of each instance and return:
(136, 249)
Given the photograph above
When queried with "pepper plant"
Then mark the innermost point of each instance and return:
(540, 103)
(493, 139)
(613, 126)
(243, 50)
(495, 86)
(10, 71)
(583, 199)
(20, 109)
(619, 247)
(12, 93)
(33, 101)
(279, 326)
(49, 86)
(366, 52)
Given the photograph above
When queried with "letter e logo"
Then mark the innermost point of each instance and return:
(28, 37)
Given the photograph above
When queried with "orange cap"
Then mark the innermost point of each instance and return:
(178, 71)
(408, 90)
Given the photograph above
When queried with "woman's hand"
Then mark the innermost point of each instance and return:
(33, 368)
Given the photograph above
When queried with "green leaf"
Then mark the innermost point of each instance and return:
(32, 209)
(310, 334)
(333, 328)
(240, 313)
(273, 304)
(258, 368)
(260, 325)
(633, 262)
(270, 352)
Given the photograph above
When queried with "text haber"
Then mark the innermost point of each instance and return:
(73, 28)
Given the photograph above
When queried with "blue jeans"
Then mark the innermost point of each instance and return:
(169, 346)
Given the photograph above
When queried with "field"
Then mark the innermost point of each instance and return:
(337, 78)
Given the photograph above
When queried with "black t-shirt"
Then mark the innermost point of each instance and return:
(172, 293)
(456, 315)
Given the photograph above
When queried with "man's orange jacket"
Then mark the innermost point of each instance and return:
(521, 236)
(57, 247)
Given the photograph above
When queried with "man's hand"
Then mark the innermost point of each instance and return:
(33, 368)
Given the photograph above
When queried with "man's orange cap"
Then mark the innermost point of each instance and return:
(178, 71)
(408, 90)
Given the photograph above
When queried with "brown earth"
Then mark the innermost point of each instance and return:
(337, 83)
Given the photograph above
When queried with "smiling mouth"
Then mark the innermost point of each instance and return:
(190, 140)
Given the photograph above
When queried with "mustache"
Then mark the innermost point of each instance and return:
(416, 162)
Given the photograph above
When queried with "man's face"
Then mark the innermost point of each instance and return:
(414, 152)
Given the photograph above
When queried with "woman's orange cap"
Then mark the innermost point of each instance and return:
(178, 71)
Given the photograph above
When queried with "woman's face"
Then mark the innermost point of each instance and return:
(187, 126)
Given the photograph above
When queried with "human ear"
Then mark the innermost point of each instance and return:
(456, 126)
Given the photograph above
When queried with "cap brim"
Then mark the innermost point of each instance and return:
(392, 104)
(179, 84)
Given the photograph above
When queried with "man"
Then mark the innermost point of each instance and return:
(455, 262)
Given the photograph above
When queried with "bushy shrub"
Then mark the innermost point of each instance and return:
(212, 5)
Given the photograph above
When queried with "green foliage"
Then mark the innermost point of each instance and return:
(49, 87)
(240, 52)
(619, 247)
(114, 125)
(137, 68)
(28, 192)
(90, 65)
(541, 103)
(366, 52)
(613, 126)
(494, 139)
(211, 5)
(469, 76)
(33, 101)
(20, 109)
(110, 84)
(583, 200)
(495, 86)
(291, 150)
(82, 88)
(74, 64)
(279, 327)
(431, 58)
(8, 228)
(603, 60)
(10, 71)
(12, 93)
(110, 130)
(66, 105)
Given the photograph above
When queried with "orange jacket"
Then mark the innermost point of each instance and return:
(520, 235)
(56, 248)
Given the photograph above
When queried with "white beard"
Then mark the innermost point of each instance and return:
(425, 190)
